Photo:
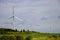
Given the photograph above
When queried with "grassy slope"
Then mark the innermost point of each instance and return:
(34, 35)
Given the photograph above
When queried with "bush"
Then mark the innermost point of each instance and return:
(28, 38)
(23, 30)
(54, 36)
(28, 31)
(19, 38)
(7, 38)
(2, 32)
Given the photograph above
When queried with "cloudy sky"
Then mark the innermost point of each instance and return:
(36, 15)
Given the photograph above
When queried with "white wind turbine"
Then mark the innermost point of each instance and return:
(13, 19)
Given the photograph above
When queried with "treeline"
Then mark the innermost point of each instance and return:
(15, 38)
(11, 30)
(4, 30)
(7, 30)
(28, 31)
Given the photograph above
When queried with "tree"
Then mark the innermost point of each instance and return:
(23, 30)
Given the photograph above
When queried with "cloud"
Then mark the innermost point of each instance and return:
(41, 14)
(44, 18)
(11, 1)
(58, 17)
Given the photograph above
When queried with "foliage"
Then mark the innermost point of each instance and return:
(54, 36)
(7, 30)
(19, 38)
(7, 38)
(9, 34)
(28, 38)
(23, 30)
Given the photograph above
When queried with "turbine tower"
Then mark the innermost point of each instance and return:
(13, 18)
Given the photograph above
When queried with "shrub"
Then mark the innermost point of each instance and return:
(28, 38)
(28, 31)
(19, 38)
(54, 36)
(7, 38)
(58, 35)
(23, 30)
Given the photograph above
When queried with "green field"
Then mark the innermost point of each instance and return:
(9, 34)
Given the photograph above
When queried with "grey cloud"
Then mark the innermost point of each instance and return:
(34, 12)
(17, 1)
(8, 1)
(58, 17)
(44, 18)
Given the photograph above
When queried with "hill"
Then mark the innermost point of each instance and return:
(10, 34)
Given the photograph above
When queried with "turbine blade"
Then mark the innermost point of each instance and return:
(10, 17)
(18, 18)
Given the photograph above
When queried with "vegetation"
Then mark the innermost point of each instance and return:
(9, 34)
(19, 38)
(7, 37)
(28, 38)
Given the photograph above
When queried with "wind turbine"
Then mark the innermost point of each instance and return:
(13, 22)
(13, 18)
